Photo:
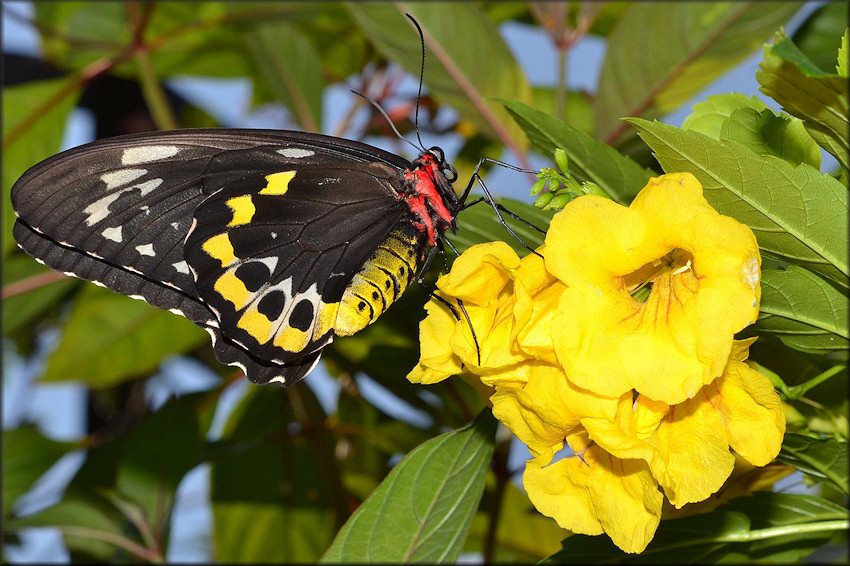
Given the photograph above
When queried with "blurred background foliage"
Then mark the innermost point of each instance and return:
(287, 470)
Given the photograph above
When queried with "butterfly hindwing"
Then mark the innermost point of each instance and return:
(273, 253)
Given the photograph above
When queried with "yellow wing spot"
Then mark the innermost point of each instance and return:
(232, 289)
(243, 210)
(291, 339)
(278, 183)
(256, 324)
(219, 247)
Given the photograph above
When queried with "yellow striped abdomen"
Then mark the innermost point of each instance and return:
(381, 280)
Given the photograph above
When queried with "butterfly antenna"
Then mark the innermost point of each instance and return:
(389, 120)
(421, 77)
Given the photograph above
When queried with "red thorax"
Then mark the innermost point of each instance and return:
(424, 197)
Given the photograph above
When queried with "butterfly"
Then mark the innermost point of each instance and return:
(272, 241)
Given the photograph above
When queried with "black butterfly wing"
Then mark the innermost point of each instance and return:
(274, 253)
(117, 212)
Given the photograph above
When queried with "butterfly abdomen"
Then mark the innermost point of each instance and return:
(380, 282)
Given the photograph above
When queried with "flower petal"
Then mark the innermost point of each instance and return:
(480, 273)
(537, 412)
(437, 360)
(752, 413)
(598, 492)
(559, 490)
(627, 500)
(694, 458)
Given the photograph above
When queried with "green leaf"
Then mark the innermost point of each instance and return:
(797, 214)
(146, 465)
(824, 458)
(820, 35)
(28, 106)
(590, 160)
(806, 312)
(125, 489)
(109, 338)
(91, 529)
(289, 63)
(268, 499)
(468, 61)
(819, 99)
(764, 527)
(843, 55)
(661, 54)
(187, 39)
(766, 133)
(747, 120)
(578, 107)
(707, 117)
(22, 308)
(423, 509)
(26, 456)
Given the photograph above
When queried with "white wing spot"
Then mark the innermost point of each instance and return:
(270, 262)
(148, 186)
(296, 152)
(146, 249)
(115, 179)
(176, 311)
(136, 155)
(146, 209)
(181, 267)
(113, 234)
(137, 297)
(274, 235)
(99, 209)
(175, 225)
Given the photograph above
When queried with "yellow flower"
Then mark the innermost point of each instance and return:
(703, 269)
(626, 449)
(649, 391)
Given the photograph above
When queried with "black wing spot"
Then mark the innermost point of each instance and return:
(388, 284)
(272, 304)
(253, 274)
(375, 295)
(302, 315)
(401, 271)
(361, 305)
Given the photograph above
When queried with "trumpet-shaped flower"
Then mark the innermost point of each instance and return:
(648, 391)
(703, 270)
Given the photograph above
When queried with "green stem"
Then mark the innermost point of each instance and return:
(121, 542)
(154, 93)
(797, 391)
(762, 534)
(561, 85)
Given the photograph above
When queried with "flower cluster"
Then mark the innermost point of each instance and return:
(618, 341)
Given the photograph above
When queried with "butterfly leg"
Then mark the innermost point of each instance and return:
(420, 279)
(497, 208)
